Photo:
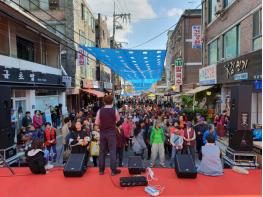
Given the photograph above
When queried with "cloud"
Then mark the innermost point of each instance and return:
(175, 12)
(138, 9)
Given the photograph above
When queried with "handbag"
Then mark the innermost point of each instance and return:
(94, 148)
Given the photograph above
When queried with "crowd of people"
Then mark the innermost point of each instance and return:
(153, 131)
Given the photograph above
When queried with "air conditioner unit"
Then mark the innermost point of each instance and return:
(219, 6)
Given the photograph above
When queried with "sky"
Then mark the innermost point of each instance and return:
(148, 19)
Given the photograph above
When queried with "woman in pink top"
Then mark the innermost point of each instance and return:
(127, 129)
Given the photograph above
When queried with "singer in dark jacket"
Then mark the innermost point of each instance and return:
(36, 158)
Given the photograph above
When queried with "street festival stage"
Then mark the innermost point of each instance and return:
(54, 184)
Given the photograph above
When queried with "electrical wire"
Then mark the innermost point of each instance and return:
(158, 35)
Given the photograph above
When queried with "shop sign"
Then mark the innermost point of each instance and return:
(107, 85)
(81, 58)
(179, 62)
(245, 67)
(67, 80)
(178, 72)
(241, 76)
(235, 66)
(25, 76)
(207, 75)
(91, 84)
(196, 37)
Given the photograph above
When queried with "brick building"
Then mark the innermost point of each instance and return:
(182, 47)
(231, 53)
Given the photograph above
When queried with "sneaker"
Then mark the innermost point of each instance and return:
(163, 165)
(151, 165)
(49, 166)
(115, 172)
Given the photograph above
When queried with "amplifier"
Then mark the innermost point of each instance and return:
(133, 181)
(135, 165)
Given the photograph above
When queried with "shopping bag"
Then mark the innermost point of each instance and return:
(94, 149)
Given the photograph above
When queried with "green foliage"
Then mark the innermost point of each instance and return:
(191, 114)
(187, 100)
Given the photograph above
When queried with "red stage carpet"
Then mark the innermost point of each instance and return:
(91, 184)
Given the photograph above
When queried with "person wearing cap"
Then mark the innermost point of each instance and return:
(157, 142)
(106, 119)
(189, 140)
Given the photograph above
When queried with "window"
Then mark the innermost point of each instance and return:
(4, 38)
(82, 39)
(25, 49)
(212, 53)
(228, 2)
(82, 11)
(53, 4)
(257, 31)
(232, 43)
(211, 10)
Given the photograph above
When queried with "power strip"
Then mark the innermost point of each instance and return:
(152, 191)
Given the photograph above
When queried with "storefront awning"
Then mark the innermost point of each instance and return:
(198, 89)
(94, 92)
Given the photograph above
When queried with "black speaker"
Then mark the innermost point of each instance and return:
(135, 165)
(133, 181)
(240, 109)
(7, 136)
(240, 136)
(75, 166)
(185, 167)
(241, 140)
(5, 107)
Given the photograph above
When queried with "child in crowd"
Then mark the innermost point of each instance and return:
(94, 146)
(50, 141)
(177, 141)
(120, 143)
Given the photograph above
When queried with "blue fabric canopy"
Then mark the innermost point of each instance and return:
(140, 67)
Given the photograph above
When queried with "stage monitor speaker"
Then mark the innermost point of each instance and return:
(135, 165)
(133, 181)
(7, 137)
(185, 167)
(75, 165)
(241, 140)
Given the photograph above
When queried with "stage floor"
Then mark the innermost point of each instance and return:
(54, 184)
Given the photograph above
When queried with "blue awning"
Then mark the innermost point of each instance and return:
(140, 67)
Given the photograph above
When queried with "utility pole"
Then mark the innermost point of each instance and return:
(126, 17)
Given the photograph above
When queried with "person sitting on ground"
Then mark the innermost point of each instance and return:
(37, 158)
(211, 130)
(211, 164)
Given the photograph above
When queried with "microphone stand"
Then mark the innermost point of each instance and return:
(6, 164)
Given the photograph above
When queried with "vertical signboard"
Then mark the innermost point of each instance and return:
(178, 72)
(196, 37)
